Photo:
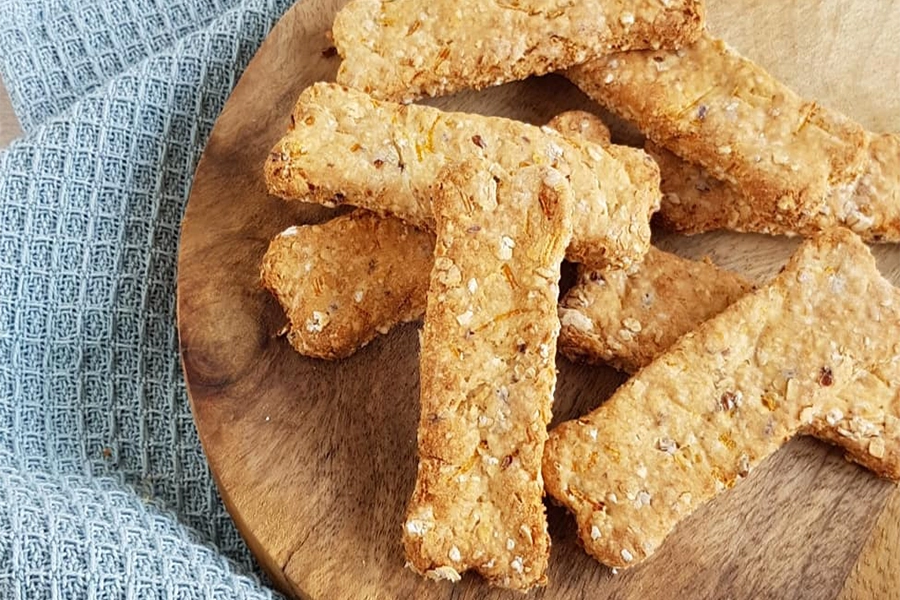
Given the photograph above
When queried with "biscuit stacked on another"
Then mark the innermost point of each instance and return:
(465, 219)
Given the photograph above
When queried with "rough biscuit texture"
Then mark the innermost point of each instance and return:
(818, 346)
(580, 124)
(873, 211)
(695, 202)
(404, 49)
(345, 281)
(799, 167)
(488, 374)
(344, 146)
(627, 319)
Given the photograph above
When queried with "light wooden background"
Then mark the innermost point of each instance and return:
(876, 575)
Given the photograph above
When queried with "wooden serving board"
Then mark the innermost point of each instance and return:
(316, 460)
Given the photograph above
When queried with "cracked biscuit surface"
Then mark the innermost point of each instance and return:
(404, 49)
(488, 373)
(817, 349)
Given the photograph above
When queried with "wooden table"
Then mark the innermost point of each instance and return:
(876, 575)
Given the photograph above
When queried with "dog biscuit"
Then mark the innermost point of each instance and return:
(580, 124)
(345, 281)
(800, 168)
(694, 201)
(344, 146)
(488, 374)
(873, 211)
(402, 50)
(820, 340)
(608, 317)
(627, 319)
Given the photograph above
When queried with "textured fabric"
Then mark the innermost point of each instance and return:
(55, 51)
(104, 490)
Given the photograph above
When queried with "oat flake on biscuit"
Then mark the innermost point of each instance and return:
(404, 49)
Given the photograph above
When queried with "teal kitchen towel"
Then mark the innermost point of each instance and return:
(104, 489)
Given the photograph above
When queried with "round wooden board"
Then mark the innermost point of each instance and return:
(315, 460)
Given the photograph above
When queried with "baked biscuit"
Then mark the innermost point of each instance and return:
(488, 372)
(580, 124)
(873, 210)
(817, 345)
(343, 282)
(626, 320)
(345, 147)
(800, 168)
(695, 202)
(356, 276)
(402, 50)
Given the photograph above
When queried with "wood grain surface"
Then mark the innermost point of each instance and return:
(9, 124)
(316, 460)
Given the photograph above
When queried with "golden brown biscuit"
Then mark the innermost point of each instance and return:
(873, 211)
(343, 282)
(488, 373)
(608, 317)
(822, 340)
(344, 146)
(402, 50)
(580, 124)
(695, 202)
(626, 320)
(800, 167)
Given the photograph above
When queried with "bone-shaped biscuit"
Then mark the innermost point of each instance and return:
(343, 282)
(487, 374)
(791, 166)
(821, 340)
(695, 202)
(344, 146)
(610, 317)
(626, 320)
(404, 49)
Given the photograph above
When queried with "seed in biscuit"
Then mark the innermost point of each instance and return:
(488, 372)
(403, 49)
(820, 342)
(345, 281)
(345, 147)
